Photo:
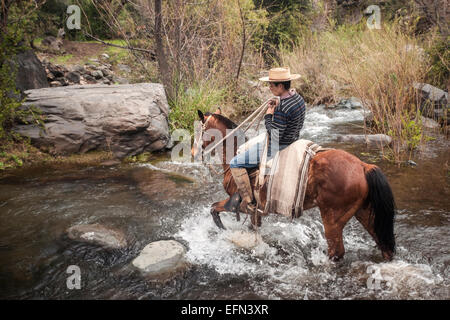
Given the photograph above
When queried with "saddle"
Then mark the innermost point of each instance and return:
(282, 180)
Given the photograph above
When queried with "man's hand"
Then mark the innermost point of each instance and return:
(272, 106)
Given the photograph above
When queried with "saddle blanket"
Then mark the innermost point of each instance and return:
(288, 178)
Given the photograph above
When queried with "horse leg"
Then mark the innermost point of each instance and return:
(367, 221)
(334, 221)
(253, 221)
(216, 208)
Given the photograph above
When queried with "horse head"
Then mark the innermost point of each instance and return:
(214, 125)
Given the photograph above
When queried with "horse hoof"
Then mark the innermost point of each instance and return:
(217, 220)
(335, 258)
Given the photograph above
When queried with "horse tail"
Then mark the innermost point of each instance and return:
(382, 202)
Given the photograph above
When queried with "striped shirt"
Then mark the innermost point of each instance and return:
(285, 124)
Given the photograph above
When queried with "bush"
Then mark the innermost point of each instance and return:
(439, 53)
(200, 96)
(378, 66)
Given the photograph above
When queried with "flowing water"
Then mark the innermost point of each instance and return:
(171, 200)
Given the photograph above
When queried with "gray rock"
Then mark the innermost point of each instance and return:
(53, 43)
(126, 119)
(432, 98)
(124, 67)
(161, 259)
(79, 69)
(121, 80)
(105, 56)
(97, 74)
(98, 234)
(372, 140)
(89, 78)
(429, 123)
(432, 93)
(73, 77)
(106, 72)
(30, 72)
(55, 84)
(352, 103)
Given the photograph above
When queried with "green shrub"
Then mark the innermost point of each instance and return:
(200, 96)
(439, 72)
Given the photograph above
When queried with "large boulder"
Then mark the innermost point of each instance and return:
(126, 119)
(30, 72)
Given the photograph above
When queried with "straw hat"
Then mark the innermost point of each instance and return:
(280, 75)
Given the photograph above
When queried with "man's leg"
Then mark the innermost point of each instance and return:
(238, 168)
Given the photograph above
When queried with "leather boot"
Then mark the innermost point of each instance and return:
(244, 197)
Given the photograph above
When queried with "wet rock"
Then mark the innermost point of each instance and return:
(352, 103)
(126, 119)
(372, 140)
(161, 260)
(110, 163)
(411, 163)
(246, 240)
(99, 235)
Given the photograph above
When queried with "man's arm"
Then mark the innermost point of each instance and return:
(276, 126)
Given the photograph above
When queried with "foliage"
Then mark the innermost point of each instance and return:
(11, 43)
(200, 96)
(287, 21)
(439, 54)
(378, 66)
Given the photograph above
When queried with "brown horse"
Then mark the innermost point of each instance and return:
(340, 184)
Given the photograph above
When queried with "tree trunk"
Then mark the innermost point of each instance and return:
(160, 54)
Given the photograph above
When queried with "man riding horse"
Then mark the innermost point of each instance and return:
(338, 183)
(283, 120)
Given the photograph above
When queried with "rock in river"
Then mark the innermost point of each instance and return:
(372, 140)
(98, 234)
(126, 119)
(161, 259)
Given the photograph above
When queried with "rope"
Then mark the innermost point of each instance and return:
(257, 112)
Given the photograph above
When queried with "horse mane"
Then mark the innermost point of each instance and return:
(228, 123)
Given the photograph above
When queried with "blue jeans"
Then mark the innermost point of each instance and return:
(252, 157)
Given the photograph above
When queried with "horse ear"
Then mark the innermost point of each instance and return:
(201, 116)
(218, 111)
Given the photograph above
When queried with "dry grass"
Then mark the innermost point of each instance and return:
(378, 66)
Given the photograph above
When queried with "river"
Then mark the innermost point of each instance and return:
(164, 199)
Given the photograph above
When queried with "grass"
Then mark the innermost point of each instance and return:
(377, 66)
(200, 96)
(16, 154)
(61, 59)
